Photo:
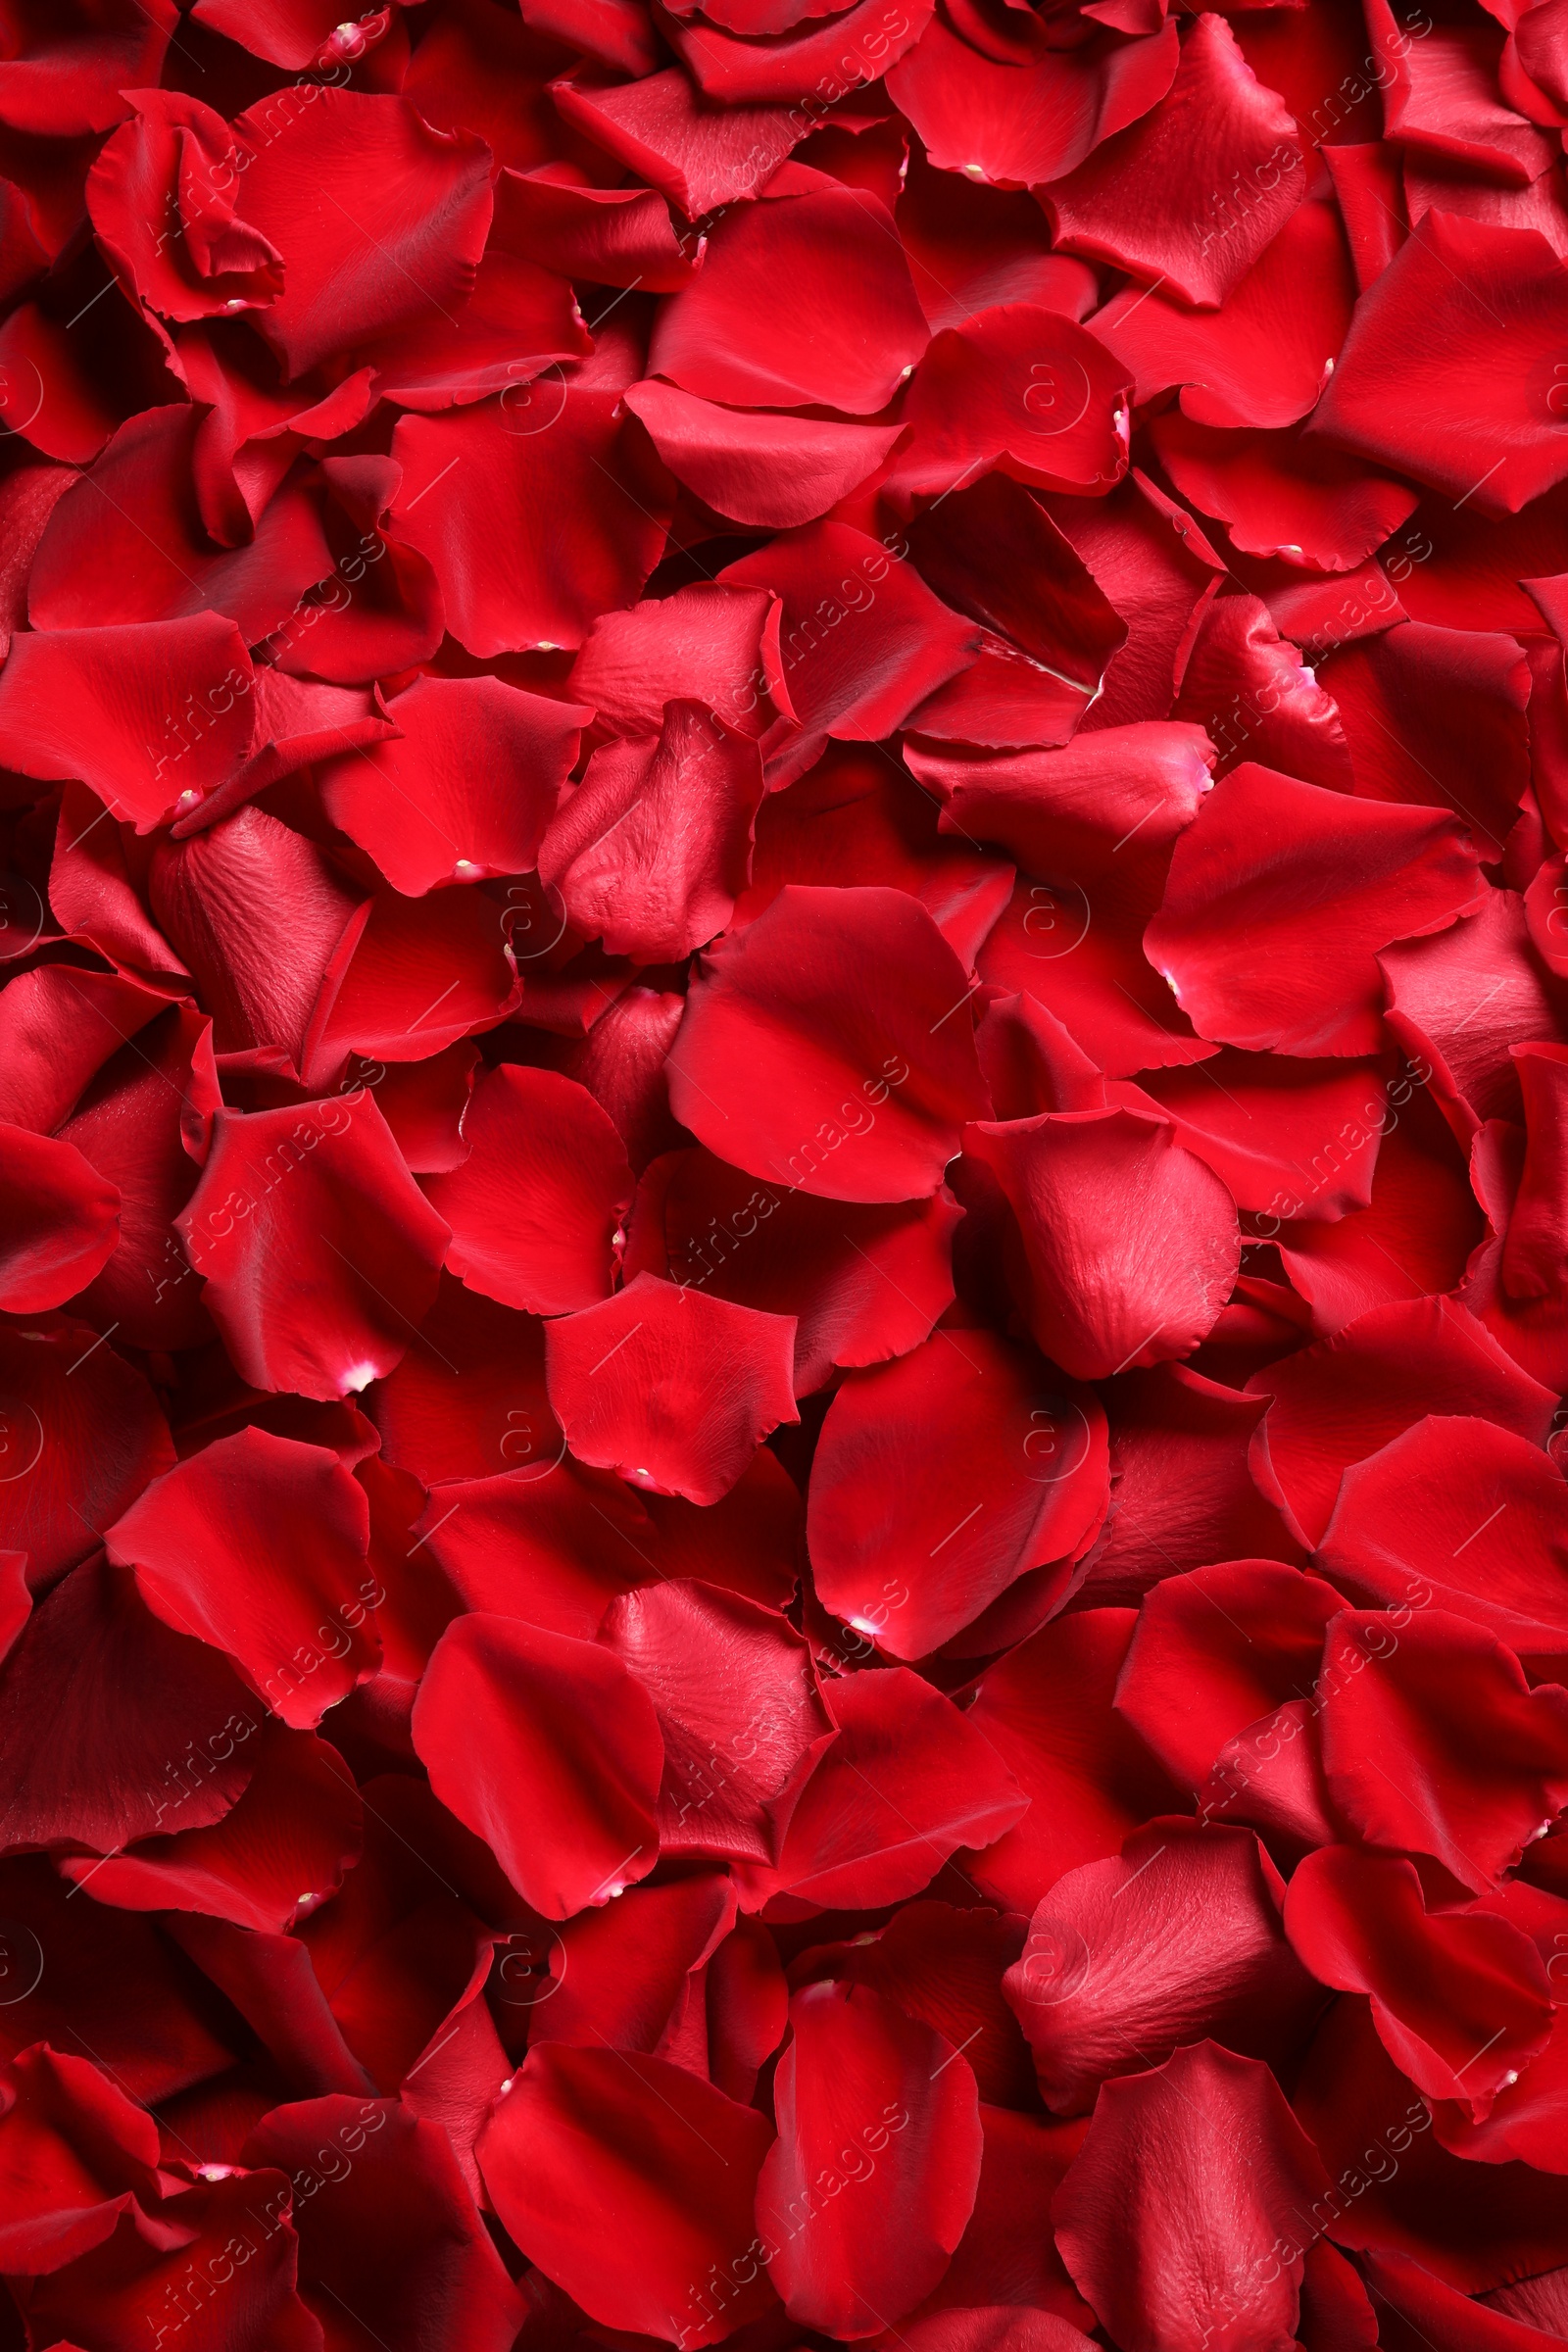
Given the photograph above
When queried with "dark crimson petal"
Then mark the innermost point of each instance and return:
(1082, 957)
(1415, 2309)
(520, 322)
(316, 1268)
(1524, 2121)
(805, 298)
(291, 32)
(61, 1221)
(137, 1124)
(467, 1400)
(632, 1976)
(256, 426)
(1290, 1138)
(697, 1385)
(110, 1981)
(469, 790)
(738, 1709)
(141, 714)
(1423, 1519)
(1216, 122)
(1397, 2188)
(1462, 997)
(394, 2245)
(1460, 2004)
(1046, 1710)
(1008, 2247)
(1250, 690)
(173, 164)
(112, 1728)
(1534, 2302)
(1067, 813)
(594, 2148)
(257, 1545)
(75, 2153)
(1184, 1493)
(864, 1087)
(864, 1282)
(1449, 423)
(549, 1749)
(81, 1434)
(548, 1542)
(1481, 1759)
(128, 544)
(122, 2291)
(856, 2078)
(536, 1205)
(1437, 718)
(654, 846)
(1177, 1939)
(835, 57)
(69, 68)
(940, 1967)
(1418, 1232)
(856, 819)
(423, 1104)
(907, 1782)
(1176, 2216)
(942, 1477)
(1265, 355)
(993, 552)
(1154, 567)
(282, 1848)
(611, 236)
(1338, 1402)
(1260, 961)
(1131, 1240)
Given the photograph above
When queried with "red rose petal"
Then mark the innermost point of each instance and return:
(1176, 1940)
(1294, 970)
(536, 1204)
(590, 2139)
(258, 1545)
(941, 1478)
(1216, 2167)
(856, 2076)
(865, 1095)
(562, 1782)
(1131, 1241)
(276, 1233)
(696, 1385)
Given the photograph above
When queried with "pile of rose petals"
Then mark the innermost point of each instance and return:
(783, 1176)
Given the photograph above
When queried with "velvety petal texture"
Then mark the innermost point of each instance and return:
(783, 1176)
